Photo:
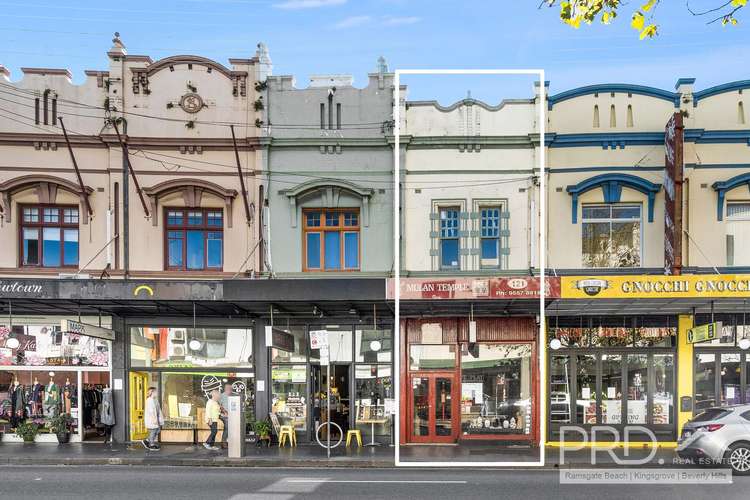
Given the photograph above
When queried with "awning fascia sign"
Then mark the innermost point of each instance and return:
(655, 286)
(472, 288)
(71, 326)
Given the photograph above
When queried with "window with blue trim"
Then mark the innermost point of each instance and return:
(331, 239)
(449, 237)
(489, 235)
(611, 235)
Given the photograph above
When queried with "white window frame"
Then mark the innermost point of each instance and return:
(611, 220)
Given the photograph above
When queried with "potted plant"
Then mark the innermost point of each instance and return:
(27, 431)
(262, 431)
(60, 425)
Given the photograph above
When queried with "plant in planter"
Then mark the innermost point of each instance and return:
(27, 431)
(262, 431)
(60, 425)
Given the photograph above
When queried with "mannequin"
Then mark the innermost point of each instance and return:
(107, 415)
(51, 399)
(36, 398)
(67, 396)
(17, 402)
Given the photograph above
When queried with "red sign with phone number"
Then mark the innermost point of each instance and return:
(473, 288)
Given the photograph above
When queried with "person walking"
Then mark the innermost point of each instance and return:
(153, 419)
(224, 417)
(213, 412)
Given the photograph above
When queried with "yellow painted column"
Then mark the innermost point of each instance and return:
(684, 368)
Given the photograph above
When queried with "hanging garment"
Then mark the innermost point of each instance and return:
(107, 415)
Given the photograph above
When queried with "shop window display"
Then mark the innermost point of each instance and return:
(299, 355)
(48, 345)
(496, 389)
(663, 406)
(184, 397)
(611, 389)
(586, 403)
(430, 357)
(159, 347)
(31, 396)
(637, 390)
(289, 393)
(705, 381)
(373, 346)
(373, 392)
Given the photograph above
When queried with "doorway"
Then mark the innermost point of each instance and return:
(138, 386)
(339, 381)
(433, 408)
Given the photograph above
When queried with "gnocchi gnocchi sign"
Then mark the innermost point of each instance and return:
(656, 286)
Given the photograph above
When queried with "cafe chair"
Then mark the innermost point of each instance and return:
(356, 433)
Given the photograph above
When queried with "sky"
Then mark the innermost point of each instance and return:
(307, 37)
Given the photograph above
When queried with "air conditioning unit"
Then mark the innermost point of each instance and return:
(176, 350)
(176, 343)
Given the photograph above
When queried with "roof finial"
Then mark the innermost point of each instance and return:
(382, 65)
(468, 95)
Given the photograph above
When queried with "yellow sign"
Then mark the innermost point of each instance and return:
(703, 333)
(654, 287)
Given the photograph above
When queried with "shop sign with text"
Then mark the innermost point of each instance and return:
(657, 286)
(527, 287)
(703, 333)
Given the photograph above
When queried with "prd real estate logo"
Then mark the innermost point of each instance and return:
(592, 286)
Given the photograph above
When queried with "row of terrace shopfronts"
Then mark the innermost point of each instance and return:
(618, 350)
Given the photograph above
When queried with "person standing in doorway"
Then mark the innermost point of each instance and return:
(213, 413)
(153, 419)
(224, 404)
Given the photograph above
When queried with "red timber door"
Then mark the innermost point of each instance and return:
(433, 407)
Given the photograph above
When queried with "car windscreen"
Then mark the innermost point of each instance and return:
(711, 414)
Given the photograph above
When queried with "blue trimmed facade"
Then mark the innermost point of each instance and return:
(722, 187)
(611, 185)
(621, 88)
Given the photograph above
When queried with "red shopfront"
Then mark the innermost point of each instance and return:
(460, 390)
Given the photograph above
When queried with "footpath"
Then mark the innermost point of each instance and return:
(311, 456)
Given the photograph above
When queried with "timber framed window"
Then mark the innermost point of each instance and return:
(194, 239)
(49, 236)
(331, 239)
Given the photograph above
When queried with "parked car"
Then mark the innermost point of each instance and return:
(718, 436)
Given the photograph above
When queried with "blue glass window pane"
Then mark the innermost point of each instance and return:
(195, 218)
(313, 250)
(313, 219)
(351, 219)
(195, 250)
(214, 245)
(51, 247)
(490, 222)
(332, 219)
(490, 247)
(174, 218)
(449, 253)
(175, 249)
(70, 249)
(31, 247)
(214, 219)
(333, 250)
(351, 250)
(449, 223)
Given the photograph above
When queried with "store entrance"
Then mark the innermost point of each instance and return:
(433, 407)
(138, 386)
(339, 381)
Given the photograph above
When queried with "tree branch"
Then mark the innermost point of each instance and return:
(687, 4)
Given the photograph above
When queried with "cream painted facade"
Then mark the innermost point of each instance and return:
(607, 130)
(470, 157)
(175, 115)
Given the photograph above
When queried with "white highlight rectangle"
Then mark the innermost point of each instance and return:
(542, 260)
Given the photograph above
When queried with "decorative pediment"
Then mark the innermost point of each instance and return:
(722, 187)
(46, 188)
(192, 191)
(329, 190)
(611, 186)
(141, 75)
